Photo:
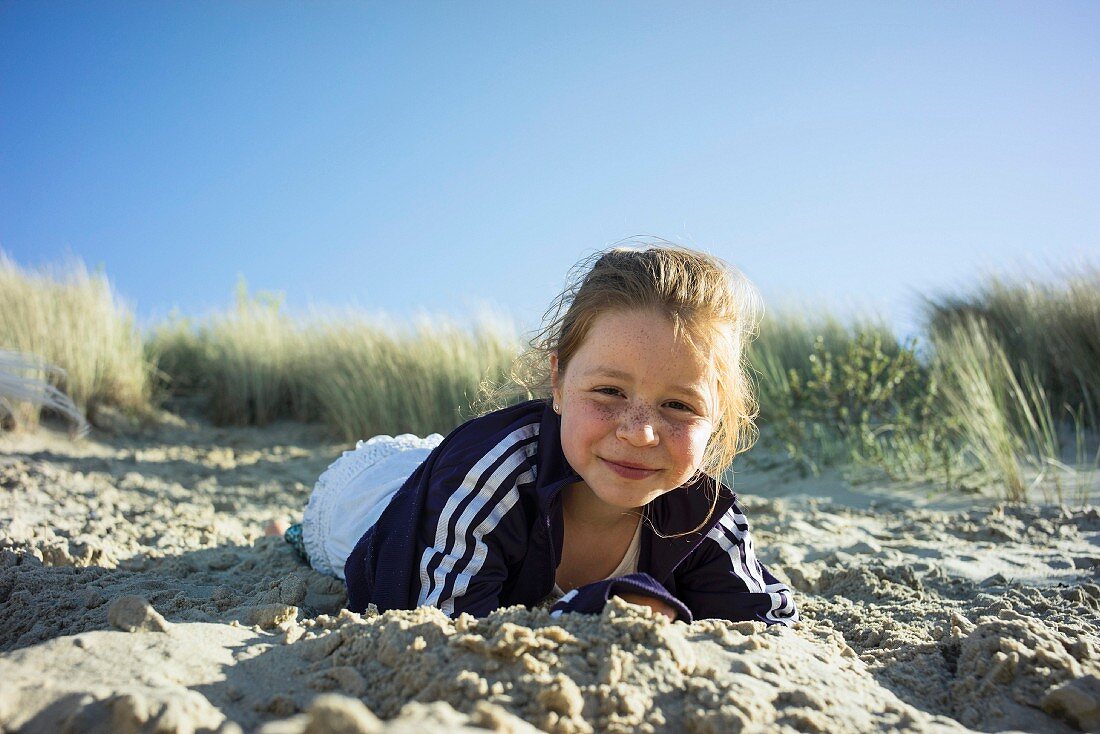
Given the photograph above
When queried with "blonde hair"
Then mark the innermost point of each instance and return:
(711, 306)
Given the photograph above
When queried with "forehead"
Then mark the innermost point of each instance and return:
(641, 343)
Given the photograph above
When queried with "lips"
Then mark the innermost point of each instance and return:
(629, 470)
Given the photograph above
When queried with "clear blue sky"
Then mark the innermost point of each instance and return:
(426, 156)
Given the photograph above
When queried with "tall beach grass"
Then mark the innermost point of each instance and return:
(1010, 401)
(72, 319)
(25, 387)
(1052, 326)
(415, 379)
(1004, 415)
(358, 375)
(1005, 385)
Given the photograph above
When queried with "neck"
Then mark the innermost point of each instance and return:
(582, 508)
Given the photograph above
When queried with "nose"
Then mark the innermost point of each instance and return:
(636, 427)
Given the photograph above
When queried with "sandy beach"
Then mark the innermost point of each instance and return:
(139, 593)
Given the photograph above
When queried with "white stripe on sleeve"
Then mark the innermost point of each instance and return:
(732, 535)
(449, 527)
(738, 544)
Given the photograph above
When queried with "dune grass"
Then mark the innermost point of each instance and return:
(981, 389)
(971, 402)
(1038, 343)
(360, 376)
(413, 380)
(1050, 326)
(25, 386)
(253, 358)
(1005, 385)
(73, 320)
(1005, 414)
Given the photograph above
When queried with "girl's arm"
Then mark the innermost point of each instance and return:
(473, 527)
(636, 588)
(450, 534)
(722, 578)
(657, 605)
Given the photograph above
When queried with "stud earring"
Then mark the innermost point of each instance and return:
(556, 408)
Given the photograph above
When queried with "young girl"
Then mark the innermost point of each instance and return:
(606, 488)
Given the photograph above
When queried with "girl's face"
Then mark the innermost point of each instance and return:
(637, 408)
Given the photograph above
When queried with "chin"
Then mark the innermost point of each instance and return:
(627, 499)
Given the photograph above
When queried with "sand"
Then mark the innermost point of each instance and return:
(138, 593)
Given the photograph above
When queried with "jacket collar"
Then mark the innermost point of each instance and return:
(679, 512)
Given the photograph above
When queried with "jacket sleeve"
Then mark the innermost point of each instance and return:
(722, 578)
(591, 598)
(472, 528)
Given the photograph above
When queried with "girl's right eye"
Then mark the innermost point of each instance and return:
(608, 391)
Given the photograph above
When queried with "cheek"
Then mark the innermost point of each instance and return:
(690, 442)
(583, 425)
(589, 415)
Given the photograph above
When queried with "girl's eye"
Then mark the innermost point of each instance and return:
(608, 391)
(677, 405)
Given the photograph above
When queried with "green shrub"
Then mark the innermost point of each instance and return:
(869, 401)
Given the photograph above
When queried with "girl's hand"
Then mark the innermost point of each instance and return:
(657, 605)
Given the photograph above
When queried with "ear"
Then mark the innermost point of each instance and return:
(555, 379)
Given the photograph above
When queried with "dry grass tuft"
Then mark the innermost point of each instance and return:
(358, 375)
(72, 319)
(25, 388)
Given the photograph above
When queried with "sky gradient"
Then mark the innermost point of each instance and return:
(410, 157)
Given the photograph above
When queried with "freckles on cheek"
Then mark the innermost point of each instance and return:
(588, 409)
(679, 432)
(688, 434)
(604, 412)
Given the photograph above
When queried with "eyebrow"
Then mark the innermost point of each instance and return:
(620, 375)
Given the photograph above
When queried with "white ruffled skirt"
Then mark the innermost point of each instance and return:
(351, 494)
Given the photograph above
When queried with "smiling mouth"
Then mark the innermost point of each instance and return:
(629, 471)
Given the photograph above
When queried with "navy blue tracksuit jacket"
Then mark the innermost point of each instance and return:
(479, 526)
